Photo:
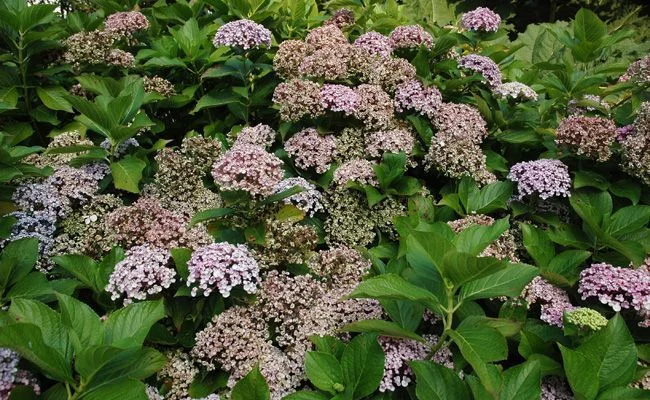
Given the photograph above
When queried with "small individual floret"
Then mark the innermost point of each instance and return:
(259, 135)
(481, 19)
(326, 36)
(126, 23)
(288, 58)
(585, 319)
(638, 72)
(339, 98)
(120, 58)
(515, 90)
(249, 168)
(309, 200)
(553, 300)
(484, 66)
(544, 178)
(588, 136)
(375, 43)
(389, 73)
(158, 84)
(412, 96)
(619, 288)
(375, 108)
(356, 170)
(392, 141)
(143, 272)
(341, 18)
(460, 121)
(221, 267)
(298, 98)
(311, 150)
(409, 36)
(340, 266)
(88, 47)
(244, 34)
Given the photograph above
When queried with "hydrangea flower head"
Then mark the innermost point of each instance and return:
(515, 90)
(244, 34)
(545, 178)
(484, 66)
(619, 288)
(126, 23)
(249, 168)
(410, 36)
(481, 19)
(375, 43)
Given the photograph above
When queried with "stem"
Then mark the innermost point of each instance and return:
(447, 321)
(23, 77)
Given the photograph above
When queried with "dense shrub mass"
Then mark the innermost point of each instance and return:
(292, 200)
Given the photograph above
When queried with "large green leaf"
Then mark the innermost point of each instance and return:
(54, 98)
(461, 268)
(384, 328)
(128, 326)
(588, 27)
(628, 220)
(251, 387)
(436, 382)
(85, 327)
(474, 239)
(581, 372)
(394, 287)
(119, 390)
(522, 382)
(538, 244)
(83, 268)
(324, 371)
(509, 281)
(127, 174)
(17, 260)
(363, 366)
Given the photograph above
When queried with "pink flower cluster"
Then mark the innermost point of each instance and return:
(481, 19)
(309, 200)
(375, 43)
(588, 136)
(545, 178)
(410, 36)
(356, 170)
(221, 267)
(619, 288)
(259, 135)
(249, 168)
(126, 23)
(244, 34)
(413, 96)
(339, 98)
(143, 272)
(484, 66)
(553, 300)
(310, 149)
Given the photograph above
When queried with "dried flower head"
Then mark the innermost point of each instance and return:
(283, 296)
(481, 19)
(375, 108)
(588, 136)
(392, 141)
(144, 271)
(339, 98)
(221, 267)
(120, 58)
(375, 43)
(389, 73)
(460, 121)
(158, 84)
(409, 36)
(412, 96)
(249, 168)
(126, 23)
(288, 58)
(554, 388)
(340, 266)
(544, 178)
(341, 18)
(329, 63)
(244, 34)
(259, 135)
(515, 90)
(326, 36)
(178, 373)
(457, 157)
(286, 242)
(298, 98)
(350, 144)
(88, 47)
(311, 150)
(356, 170)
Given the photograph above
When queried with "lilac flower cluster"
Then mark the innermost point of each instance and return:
(635, 154)
(554, 388)
(484, 66)
(375, 43)
(244, 34)
(515, 90)
(544, 178)
(619, 288)
(143, 272)
(357, 170)
(222, 266)
(126, 23)
(638, 72)
(553, 300)
(392, 141)
(249, 168)
(38, 225)
(298, 98)
(339, 98)
(410, 36)
(326, 36)
(311, 150)
(11, 376)
(624, 132)
(413, 96)
(481, 19)
(340, 266)
(309, 200)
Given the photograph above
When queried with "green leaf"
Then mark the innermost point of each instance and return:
(626, 188)
(54, 98)
(509, 281)
(394, 287)
(588, 27)
(324, 371)
(128, 326)
(567, 265)
(363, 365)
(251, 387)
(33, 286)
(406, 314)
(474, 239)
(83, 268)
(181, 256)
(581, 372)
(207, 215)
(491, 198)
(216, 99)
(17, 260)
(27, 340)
(589, 178)
(383, 328)
(593, 208)
(84, 325)
(328, 344)
(119, 390)
(461, 268)
(522, 382)
(628, 220)
(306, 395)
(127, 173)
(538, 244)
(436, 382)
